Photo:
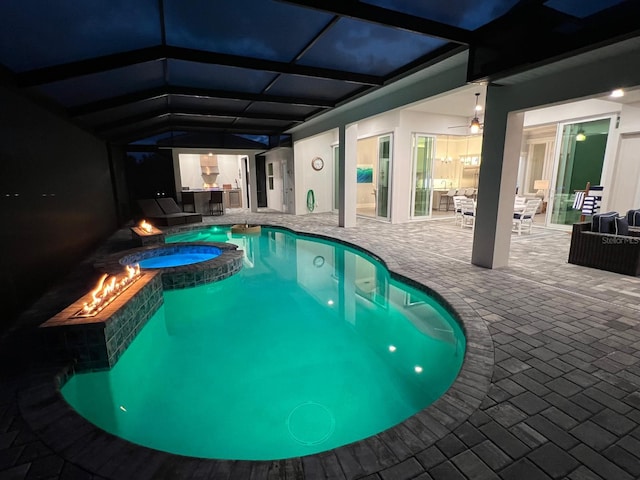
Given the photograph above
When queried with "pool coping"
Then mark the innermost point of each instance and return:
(62, 429)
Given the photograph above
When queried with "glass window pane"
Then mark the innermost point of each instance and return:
(112, 83)
(581, 160)
(40, 33)
(253, 28)
(364, 47)
(459, 13)
(260, 140)
(384, 171)
(536, 165)
(422, 168)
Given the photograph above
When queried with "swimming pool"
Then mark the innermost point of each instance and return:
(312, 345)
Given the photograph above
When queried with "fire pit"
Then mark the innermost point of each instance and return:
(147, 234)
(95, 330)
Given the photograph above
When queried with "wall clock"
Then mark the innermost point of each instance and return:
(317, 163)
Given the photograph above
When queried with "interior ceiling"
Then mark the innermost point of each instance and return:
(167, 68)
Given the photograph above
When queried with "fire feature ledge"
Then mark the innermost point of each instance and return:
(97, 342)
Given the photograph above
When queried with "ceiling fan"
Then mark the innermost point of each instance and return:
(475, 126)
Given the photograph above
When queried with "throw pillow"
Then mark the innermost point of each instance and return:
(604, 222)
(633, 218)
(622, 226)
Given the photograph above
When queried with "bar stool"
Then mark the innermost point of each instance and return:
(188, 200)
(215, 203)
(448, 199)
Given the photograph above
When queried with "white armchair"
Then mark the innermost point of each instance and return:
(521, 200)
(524, 217)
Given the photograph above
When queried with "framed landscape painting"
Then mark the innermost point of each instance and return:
(364, 174)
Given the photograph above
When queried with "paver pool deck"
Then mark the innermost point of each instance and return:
(552, 387)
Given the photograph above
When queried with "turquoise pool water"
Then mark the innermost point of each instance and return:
(309, 347)
(176, 259)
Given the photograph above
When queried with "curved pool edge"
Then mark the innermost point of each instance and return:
(61, 428)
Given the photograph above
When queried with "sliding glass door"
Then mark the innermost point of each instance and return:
(383, 177)
(423, 152)
(373, 177)
(335, 153)
(580, 162)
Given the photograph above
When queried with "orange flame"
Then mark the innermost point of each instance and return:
(107, 289)
(147, 227)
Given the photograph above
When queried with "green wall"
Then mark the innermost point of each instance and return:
(588, 160)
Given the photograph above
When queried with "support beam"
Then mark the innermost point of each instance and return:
(105, 63)
(150, 94)
(501, 142)
(387, 18)
(194, 115)
(347, 163)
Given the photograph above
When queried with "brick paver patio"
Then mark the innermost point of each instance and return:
(561, 397)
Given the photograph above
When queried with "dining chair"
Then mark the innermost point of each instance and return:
(457, 209)
(468, 210)
(525, 216)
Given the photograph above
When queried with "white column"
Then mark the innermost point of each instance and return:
(348, 141)
(501, 143)
(252, 183)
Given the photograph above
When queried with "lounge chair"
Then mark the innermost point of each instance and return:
(154, 214)
(170, 207)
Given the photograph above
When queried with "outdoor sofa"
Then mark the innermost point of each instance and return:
(605, 244)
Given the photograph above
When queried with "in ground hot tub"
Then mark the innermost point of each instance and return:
(182, 265)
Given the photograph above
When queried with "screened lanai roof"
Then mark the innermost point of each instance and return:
(134, 71)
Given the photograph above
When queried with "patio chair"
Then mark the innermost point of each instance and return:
(519, 203)
(170, 207)
(152, 212)
(468, 210)
(525, 216)
(457, 209)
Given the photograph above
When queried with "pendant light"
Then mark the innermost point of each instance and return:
(475, 122)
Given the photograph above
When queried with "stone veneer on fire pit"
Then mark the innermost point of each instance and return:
(97, 342)
(224, 265)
